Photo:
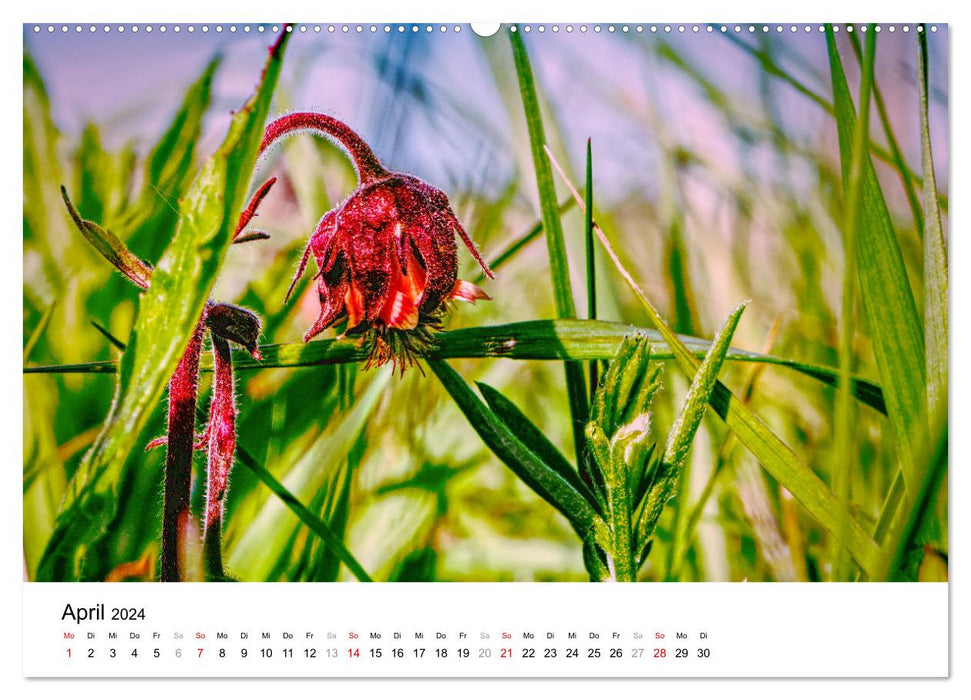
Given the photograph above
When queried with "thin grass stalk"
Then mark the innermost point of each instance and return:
(591, 261)
(176, 517)
(845, 419)
(517, 245)
(38, 332)
(553, 228)
(888, 511)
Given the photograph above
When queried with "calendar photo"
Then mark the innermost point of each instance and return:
(525, 303)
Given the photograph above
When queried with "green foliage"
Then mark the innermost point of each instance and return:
(774, 455)
(259, 550)
(168, 312)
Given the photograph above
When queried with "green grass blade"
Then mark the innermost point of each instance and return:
(591, 261)
(38, 331)
(526, 340)
(935, 261)
(898, 342)
(168, 312)
(559, 265)
(333, 541)
(108, 336)
(846, 454)
(588, 240)
(525, 463)
(532, 437)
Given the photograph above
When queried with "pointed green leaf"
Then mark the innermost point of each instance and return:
(110, 247)
(532, 437)
(898, 341)
(935, 260)
(525, 463)
(682, 434)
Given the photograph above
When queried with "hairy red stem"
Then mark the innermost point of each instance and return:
(222, 446)
(178, 458)
(369, 168)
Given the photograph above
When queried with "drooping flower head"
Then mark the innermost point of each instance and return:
(387, 256)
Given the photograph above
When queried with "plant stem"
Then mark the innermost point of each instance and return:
(178, 458)
(222, 446)
(367, 165)
(617, 486)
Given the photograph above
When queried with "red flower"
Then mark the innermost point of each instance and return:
(387, 256)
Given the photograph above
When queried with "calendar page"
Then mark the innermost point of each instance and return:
(514, 350)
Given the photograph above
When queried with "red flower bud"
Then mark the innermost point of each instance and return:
(387, 256)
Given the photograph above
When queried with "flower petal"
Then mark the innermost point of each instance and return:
(369, 251)
(466, 291)
(321, 245)
(439, 256)
(402, 309)
(332, 301)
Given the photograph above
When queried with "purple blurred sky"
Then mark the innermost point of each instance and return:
(417, 97)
